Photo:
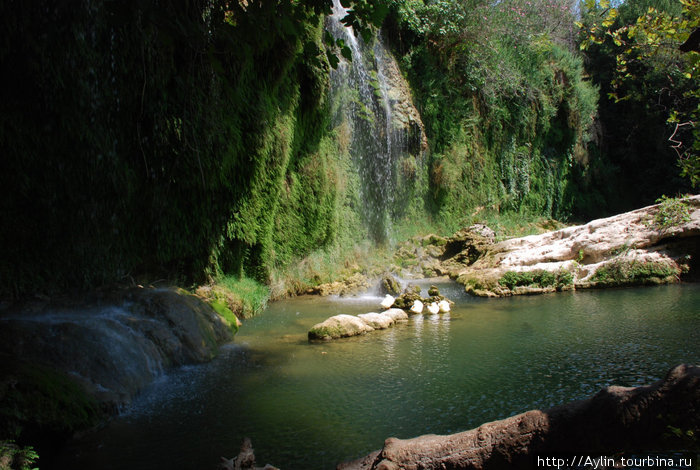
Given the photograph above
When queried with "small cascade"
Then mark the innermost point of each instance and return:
(114, 349)
(373, 100)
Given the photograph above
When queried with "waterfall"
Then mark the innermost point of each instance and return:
(369, 102)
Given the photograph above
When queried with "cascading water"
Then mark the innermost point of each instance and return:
(380, 133)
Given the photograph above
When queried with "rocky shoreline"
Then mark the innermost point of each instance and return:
(639, 247)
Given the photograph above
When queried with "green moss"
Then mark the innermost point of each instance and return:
(251, 295)
(537, 278)
(222, 309)
(671, 213)
(625, 272)
(325, 332)
(38, 402)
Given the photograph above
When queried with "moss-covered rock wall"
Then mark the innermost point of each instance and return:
(159, 139)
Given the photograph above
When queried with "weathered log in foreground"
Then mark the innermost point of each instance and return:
(617, 419)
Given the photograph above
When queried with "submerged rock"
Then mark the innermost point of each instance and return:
(339, 326)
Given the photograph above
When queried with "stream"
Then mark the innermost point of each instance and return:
(311, 406)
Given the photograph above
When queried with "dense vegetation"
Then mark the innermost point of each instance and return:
(150, 140)
(650, 98)
(505, 102)
(142, 137)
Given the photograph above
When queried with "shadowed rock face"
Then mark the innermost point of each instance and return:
(617, 419)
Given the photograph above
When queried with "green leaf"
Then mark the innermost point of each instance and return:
(332, 59)
(366, 35)
(346, 52)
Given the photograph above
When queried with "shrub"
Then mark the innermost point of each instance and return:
(673, 211)
(620, 273)
(537, 278)
(15, 457)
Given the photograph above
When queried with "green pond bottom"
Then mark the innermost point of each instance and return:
(311, 406)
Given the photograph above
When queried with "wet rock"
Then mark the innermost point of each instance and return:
(412, 289)
(405, 301)
(339, 326)
(390, 285)
(354, 284)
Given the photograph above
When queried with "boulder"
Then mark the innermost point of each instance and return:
(406, 300)
(388, 301)
(378, 321)
(339, 326)
(468, 245)
(417, 306)
(433, 291)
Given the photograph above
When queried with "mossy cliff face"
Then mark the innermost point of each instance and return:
(508, 118)
(145, 138)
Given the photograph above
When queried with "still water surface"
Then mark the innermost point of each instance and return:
(310, 406)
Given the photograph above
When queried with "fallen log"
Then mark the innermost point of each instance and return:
(657, 417)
